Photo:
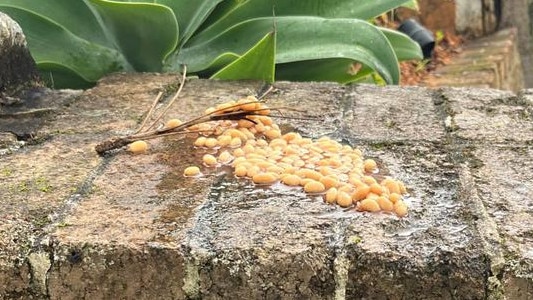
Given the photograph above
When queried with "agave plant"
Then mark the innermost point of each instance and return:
(75, 42)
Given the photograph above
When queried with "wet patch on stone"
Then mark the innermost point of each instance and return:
(390, 257)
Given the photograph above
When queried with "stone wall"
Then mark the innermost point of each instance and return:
(469, 18)
(76, 225)
(519, 14)
(479, 18)
(492, 62)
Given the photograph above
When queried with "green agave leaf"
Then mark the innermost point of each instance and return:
(223, 60)
(404, 47)
(190, 14)
(341, 70)
(370, 9)
(53, 47)
(73, 15)
(257, 63)
(222, 10)
(145, 33)
(75, 42)
(240, 11)
(60, 76)
(298, 39)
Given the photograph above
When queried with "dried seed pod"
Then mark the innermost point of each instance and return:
(375, 188)
(240, 171)
(347, 188)
(369, 180)
(370, 165)
(238, 152)
(252, 171)
(262, 109)
(272, 134)
(329, 181)
(245, 124)
(394, 197)
(261, 143)
(224, 140)
(267, 121)
(200, 141)
(331, 196)
(209, 110)
(360, 193)
(298, 163)
(344, 199)
(225, 157)
(356, 181)
(191, 171)
(173, 123)
(314, 187)
(265, 178)
(235, 142)
(370, 205)
(211, 142)
(290, 136)
(278, 142)
(248, 148)
(400, 209)
(391, 185)
(312, 174)
(385, 204)
(249, 106)
(325, 170)
(209, 160)
(403, 189)
(138, 147)
(275, 169)
(291, 180)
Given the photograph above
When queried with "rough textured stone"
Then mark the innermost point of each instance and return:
(16, 64)
(75, 225)
(488, 115)
(385, 119)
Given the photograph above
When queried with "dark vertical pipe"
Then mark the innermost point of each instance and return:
(420, 35)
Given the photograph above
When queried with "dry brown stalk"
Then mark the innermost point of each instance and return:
(232, 113)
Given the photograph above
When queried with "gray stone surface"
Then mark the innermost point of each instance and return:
(78, 226)
(16, 64)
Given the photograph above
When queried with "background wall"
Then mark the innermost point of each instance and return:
(519, 14)
(476, 18)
